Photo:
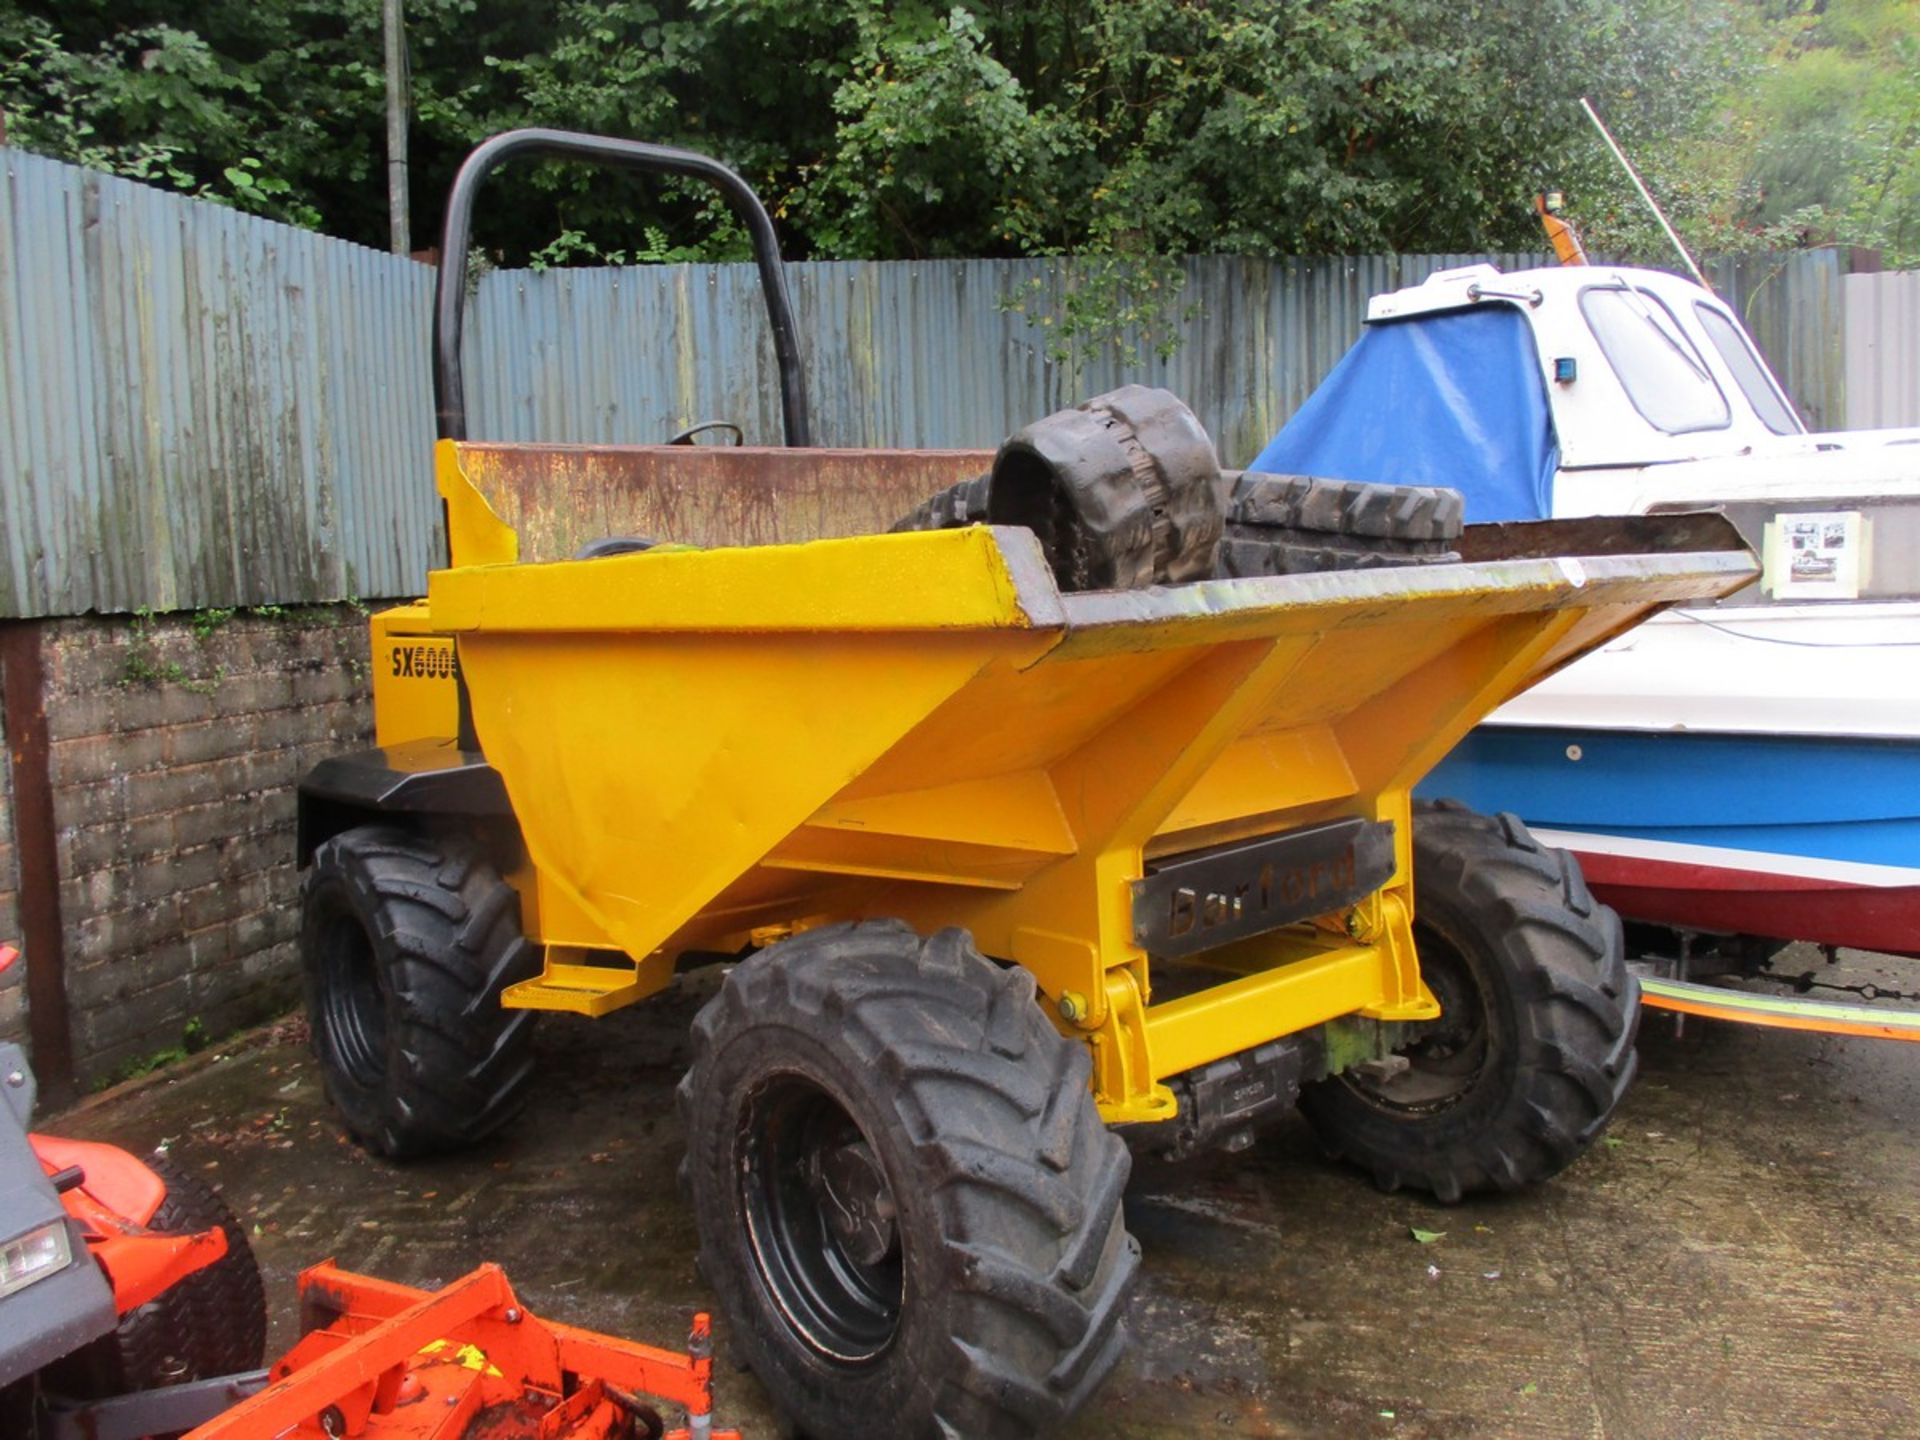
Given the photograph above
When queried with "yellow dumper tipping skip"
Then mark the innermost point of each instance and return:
(1175, 816)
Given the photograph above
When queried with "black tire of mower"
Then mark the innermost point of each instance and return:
(407, 941)
(1009, 1244)
(1508, 926)
(213, 1322)
(1300, 524)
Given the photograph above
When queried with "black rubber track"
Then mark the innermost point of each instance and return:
(1122, 491)
(1240, 556)
(1298, 525)
(1428, 514)
(1014, 1255)
(1536, 960)
(407, 942)
(214, 1322)
(960, 504)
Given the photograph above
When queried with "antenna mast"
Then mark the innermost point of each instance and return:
(1640, 185)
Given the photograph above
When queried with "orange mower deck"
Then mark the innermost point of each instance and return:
(467, 1362)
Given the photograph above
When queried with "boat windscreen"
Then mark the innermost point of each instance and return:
(1666, 381)
(1748, 370)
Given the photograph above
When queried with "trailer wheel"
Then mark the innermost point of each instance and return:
(213, 1322)
(407, 942)
(1298, 525)
(1534, 1045)
(907, 1203)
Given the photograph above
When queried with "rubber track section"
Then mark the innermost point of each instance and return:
(1484, 882)
(444, 934)
(1427, 514)
(1300, 525)
(1241, 557)
(957, 506)
(995, 1122)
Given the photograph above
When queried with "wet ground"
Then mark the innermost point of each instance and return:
(1740, 1258)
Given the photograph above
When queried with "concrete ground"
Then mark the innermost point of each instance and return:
(1740, 1258)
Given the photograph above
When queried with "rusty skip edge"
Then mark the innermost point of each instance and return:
(1603, 561)
(1683, 532)
(558, 497)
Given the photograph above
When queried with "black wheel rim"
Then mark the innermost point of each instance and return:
(1446, 1057)
(822, 1223)
(353, 1002)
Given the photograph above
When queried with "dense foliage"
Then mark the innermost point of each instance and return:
(882, 130)
(1834, 128)
(897, 128)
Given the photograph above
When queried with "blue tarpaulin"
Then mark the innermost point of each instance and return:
(1451, 399)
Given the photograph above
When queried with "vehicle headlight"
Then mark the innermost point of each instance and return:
(34, 1256)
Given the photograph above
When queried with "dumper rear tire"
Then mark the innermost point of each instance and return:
(1535, 1044)
(407, 942)
(907, 1203)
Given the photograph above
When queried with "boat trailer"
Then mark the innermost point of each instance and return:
(1682, 998)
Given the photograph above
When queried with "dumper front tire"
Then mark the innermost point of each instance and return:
(407, 941)
(908, 1206)
(1535, 1044)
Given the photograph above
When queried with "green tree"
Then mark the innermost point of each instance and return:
(1834, 125)
(897, 128)
(151, 101)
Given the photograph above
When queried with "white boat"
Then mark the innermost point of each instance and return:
(1750, 768)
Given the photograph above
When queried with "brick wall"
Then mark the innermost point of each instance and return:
(13, 990)
(176, 742)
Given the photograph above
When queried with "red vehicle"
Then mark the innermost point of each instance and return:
(131, 1306)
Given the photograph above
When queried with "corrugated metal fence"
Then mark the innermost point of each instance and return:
(1883, 349)
(199, 407)
(909, 353)
(931, 354)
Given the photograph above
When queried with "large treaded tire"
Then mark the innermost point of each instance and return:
(1410, 514)
(1535, 1047)
(997, 1311)
(1299, 524)
(213, 1322)
(407, 941)
(1122, 491)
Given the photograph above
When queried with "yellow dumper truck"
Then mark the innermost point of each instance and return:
(1067, 816)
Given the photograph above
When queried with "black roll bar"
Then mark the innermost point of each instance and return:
(450, 291)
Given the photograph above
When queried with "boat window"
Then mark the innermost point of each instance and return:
(1748, 372)
(1662, 374)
